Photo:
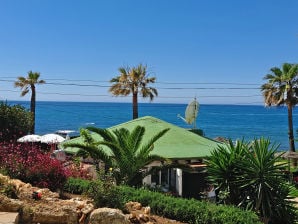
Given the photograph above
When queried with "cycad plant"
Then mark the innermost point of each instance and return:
(124, 152)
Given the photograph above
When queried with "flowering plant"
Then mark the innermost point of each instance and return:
(29, 163)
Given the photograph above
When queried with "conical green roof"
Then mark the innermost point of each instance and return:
(177, 143)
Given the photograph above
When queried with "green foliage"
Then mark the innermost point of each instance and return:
(76, 185)
(7, 189)
(106, 194)
(122, 150)
(223, 170)
(249, 175)
(189, 211)
(15, 121)
(293, 191)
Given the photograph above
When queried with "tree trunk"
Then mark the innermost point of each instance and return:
(32, 109)
(290, 124)
(135, 105)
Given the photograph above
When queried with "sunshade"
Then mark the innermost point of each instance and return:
(30, 138)
(52, 139)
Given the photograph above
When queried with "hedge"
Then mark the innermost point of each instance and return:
(185, 210)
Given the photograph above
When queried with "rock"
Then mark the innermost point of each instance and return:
(47, 208)
(108, 216)
(133, 206)
(147, 210)
(10, 205)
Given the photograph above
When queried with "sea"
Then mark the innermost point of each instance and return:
(237, 122)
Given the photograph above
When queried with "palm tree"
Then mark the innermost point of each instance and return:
(127, 154)
(26, 84)
(282, 89)
(133, 81)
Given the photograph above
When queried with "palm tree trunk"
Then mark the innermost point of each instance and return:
(32, 109)
(290, 124)
(135, 105)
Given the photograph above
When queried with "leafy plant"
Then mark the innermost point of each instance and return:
(251, 177)
(77, 185)
(127, 154)
(15, 121)
(30, 164)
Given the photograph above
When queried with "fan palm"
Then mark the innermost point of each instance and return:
(127, 154)
(282, 89)
(133, 81)
(26, 84)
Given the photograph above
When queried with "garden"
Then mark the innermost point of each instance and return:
(249, 178)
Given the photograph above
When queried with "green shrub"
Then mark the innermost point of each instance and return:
(76, 185)
(105, 193)
(186, 210)
(15, 121)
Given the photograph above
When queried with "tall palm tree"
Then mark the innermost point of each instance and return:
(127, 155)
(27, 83)
(133, 81)
(282, 89)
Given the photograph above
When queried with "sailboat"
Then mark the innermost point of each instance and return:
(191, 113)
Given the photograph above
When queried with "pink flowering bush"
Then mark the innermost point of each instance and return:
(76, 171)
(29, 163)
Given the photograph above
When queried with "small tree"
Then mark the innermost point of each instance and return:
(15, 121)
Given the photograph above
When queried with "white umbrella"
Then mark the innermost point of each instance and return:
(52, 139)
(30, 138)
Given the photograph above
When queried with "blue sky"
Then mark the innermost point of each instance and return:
(218, 51)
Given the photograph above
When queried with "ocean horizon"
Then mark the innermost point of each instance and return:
(246, 122)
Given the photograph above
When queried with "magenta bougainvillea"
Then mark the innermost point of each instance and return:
(29, 163)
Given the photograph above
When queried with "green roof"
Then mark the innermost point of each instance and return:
(177, 143)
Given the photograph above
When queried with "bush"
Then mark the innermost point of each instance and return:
(77, 185)
(185, 210)
(28, 163)
(190, 211)
(15, 121)
(106, 194)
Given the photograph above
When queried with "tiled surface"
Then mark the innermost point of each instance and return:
(8, 217)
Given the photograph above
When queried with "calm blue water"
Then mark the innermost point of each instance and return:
(231, 121)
